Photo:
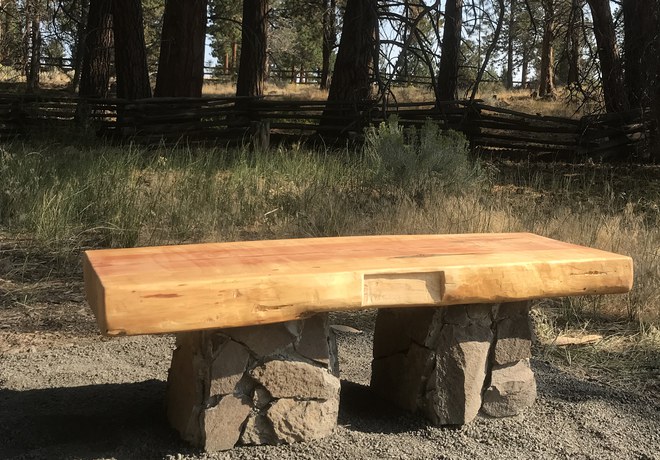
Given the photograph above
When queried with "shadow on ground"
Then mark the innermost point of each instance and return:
(111, 420)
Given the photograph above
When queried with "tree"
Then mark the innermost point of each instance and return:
(610, 64)
(640, 51)
(329, 24)
(573, 43)
(356, 60)
(77, 52)
(508, 80)
(35, 46)
(181, 62)
(546, 72)
(97, 50)
(451, 44)
(356, 63)
(130, 51)
(252, 63)
(11, 44)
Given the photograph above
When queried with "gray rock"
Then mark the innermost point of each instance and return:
(303, 420)
(397, 328)
(295, 379)
(514, 340)
(185, 388)
(438, 360)
(512, 389)
(514, 333)
(261, 398)
(264, 340)
(313, 343)
(453, 391)
(228, 367)
(258, 430)
(509, 309)
(223, 423)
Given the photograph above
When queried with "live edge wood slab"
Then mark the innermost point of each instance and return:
(222, 285)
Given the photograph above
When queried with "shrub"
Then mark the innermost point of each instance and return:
(418, 158)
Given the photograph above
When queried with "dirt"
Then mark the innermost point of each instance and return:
(66, 392)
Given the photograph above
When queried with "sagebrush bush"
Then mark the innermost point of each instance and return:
(418, 158)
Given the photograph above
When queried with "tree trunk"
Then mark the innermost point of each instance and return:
(451, 48)
(524, 69)
(252, 62)
(356, 62)
(97, 50)
(573, 35)
(655, 88)
(610, 64)
(27, 34)
(181, 61)
(640, 51)
(79, 46)
(329, 20)
(547, 75)
(509, 47)
(35, 54)
(234, 56)
(130, 50)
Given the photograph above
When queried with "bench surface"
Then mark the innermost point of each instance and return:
(201, 286)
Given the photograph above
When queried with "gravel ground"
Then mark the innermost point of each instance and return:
(83, 396)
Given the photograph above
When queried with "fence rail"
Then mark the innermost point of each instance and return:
(490, 130)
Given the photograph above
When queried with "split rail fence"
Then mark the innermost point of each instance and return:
(490, 130)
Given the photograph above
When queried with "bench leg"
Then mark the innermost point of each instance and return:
(269, 384)
(450, 362)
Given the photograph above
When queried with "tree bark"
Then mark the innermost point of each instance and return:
(130, 50)
(610, 63)
(655, 88)
(573, 35)
(356, 64)
(451, 47)
(547, 75)
(79, 46)
(252, 62)
(329, 20)
(27, 34)
(35, 54)
(97, 50)
(640, 51)
(524, 69)
(181, 61)
(509, 46)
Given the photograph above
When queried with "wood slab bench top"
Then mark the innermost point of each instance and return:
(217, 285)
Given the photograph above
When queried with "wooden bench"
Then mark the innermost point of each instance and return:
(256, 361)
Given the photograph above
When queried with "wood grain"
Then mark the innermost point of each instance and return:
(203, 286)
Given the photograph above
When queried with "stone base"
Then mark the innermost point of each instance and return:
(269, 384)
(448, 363)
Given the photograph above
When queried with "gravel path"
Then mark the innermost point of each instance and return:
(69, 396)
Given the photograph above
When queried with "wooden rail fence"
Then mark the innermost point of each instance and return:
(490, 130)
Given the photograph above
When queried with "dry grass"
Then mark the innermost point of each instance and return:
(276, 90)
(496, 95)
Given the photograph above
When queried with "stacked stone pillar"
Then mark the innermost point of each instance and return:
(265, 384)
(449, 363)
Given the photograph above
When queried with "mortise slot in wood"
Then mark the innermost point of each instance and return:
(387, 289)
